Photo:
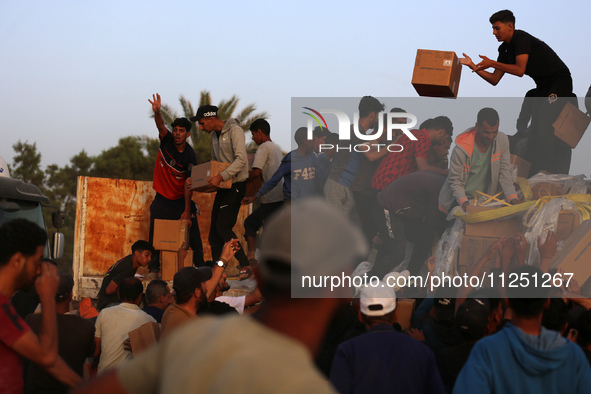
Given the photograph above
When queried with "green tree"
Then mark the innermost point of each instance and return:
(62, 187)
(132, 158)
(226, 109)
(27, 164)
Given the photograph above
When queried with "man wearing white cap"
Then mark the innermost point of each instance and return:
(383, 360)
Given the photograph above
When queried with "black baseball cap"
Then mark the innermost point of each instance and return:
(205, 111)
(189, 278)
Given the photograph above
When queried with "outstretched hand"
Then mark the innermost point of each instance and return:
(467, 61)
(484, 63)
(156, 103)
(548, 248)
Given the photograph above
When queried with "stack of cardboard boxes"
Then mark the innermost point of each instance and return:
(169, 237)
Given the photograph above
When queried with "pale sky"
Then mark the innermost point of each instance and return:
(77, 75)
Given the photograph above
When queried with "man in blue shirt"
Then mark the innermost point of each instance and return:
(383, 360)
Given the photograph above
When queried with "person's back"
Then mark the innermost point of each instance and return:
(383, 360)
(113, 324)
(524, 357)
(512, 361)
(75, 344)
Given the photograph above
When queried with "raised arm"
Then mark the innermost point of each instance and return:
(156, 104)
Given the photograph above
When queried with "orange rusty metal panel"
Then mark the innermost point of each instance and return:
(114, 213)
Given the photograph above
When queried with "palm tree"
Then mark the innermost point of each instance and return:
(226, 110)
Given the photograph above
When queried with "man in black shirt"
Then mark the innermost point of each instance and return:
(75, 341)
(141, 254)
(521, 53)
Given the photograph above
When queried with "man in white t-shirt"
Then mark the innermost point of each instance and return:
(266, 161)
(113, 325)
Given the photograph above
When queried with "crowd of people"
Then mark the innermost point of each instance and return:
(319, 208)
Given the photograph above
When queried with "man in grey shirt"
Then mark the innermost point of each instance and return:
(266, 161)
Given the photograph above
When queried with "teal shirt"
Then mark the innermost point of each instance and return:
(479, 177)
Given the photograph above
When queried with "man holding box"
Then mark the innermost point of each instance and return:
(521, 53)
(227, 146)
(173, 200)
(480, 161)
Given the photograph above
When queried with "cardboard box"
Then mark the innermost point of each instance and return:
(201, 173)
(405, 307)
(571, 125)
(169, 264)
(472, 249)
(436, 73)
(568, 221)
(170, 234)
(492, 228)
(523, 166)
(545, 189)
(143, 337)
(575, 255)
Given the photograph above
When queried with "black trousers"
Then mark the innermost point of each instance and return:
(223, 218)
(545, 151)
(163, 208)
(255, 220)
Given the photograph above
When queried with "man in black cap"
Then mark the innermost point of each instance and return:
(190, 295)
(227, 146)
(173, 200)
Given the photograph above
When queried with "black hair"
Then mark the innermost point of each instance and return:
(182, 122)
(130, 289)
(332, 139)
(555, 316)
(396, 109)
(527, 301)
(503, 16)
(488, 115)
(261, 125)
(156, 289)
(301, 135)
(20, 235)
(142, 245)
(183, 298)
(373, 320)
(320, 132)
(369, 104)
(440, 122)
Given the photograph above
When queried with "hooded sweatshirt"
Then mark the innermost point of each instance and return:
(512, 361)
(230, 147)
(453, 189)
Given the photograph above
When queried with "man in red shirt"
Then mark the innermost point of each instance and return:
(173, 200)
(413, 156)
(21, 248)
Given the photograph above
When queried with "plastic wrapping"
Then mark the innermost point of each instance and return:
(571, 184)
(363, 268)
(447, 249)
(538, 223)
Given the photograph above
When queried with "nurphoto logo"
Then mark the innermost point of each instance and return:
(344, 124)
